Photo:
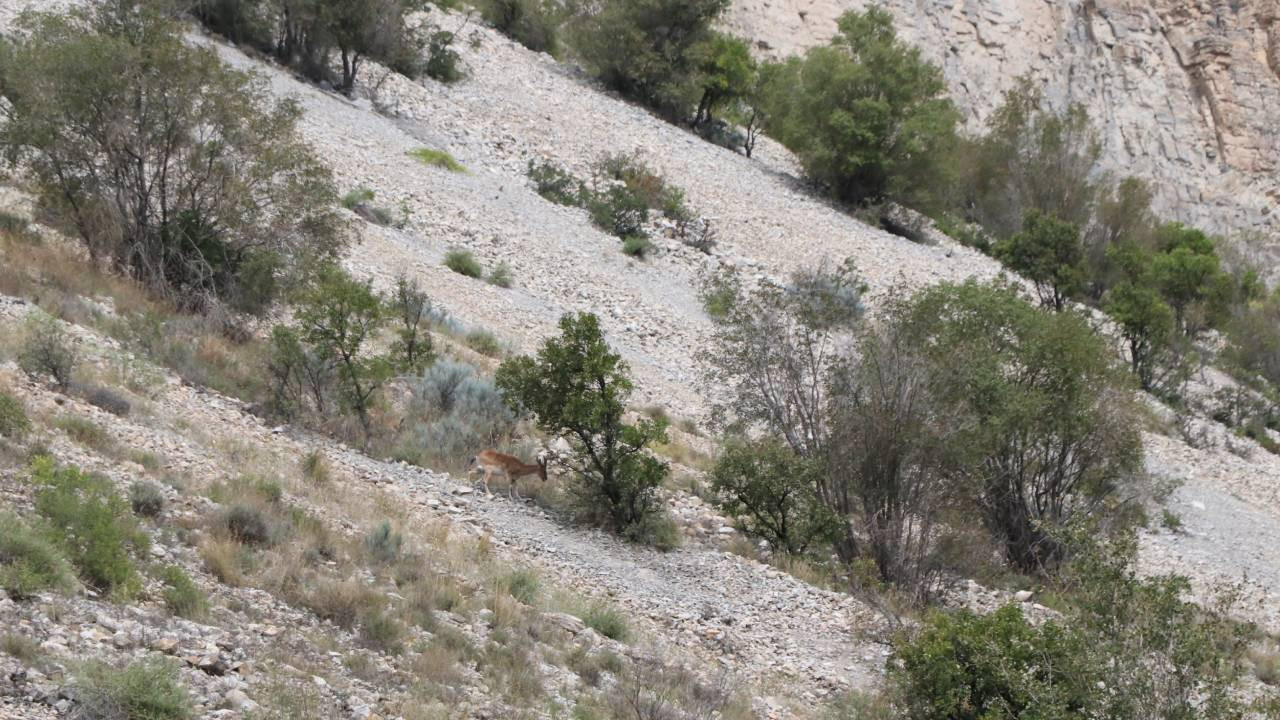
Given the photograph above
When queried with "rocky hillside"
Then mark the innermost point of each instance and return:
(784, 645)
(1184, 92)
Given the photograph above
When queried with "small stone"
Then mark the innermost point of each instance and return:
(1022, 596)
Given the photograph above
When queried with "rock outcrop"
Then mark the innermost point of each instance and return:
(1185, 93)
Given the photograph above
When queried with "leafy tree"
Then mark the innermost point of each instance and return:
(1122, 219)
(865, 114)
(771, 491)
(337, 316)
(178, 171)
(1031, 158)
(366, 28)
(412, 351)
(576, 387)
(650, 50)
(1146, 324)
(1188, 274)
(1045, 415)
(728, 74)
(532, 23)
(1048, 253)
(1254, 339)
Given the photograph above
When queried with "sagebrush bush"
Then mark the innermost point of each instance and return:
(500, 275)
(453, 414)
(146, 498)
(247, 524)
(383, 543)
(29, 563)
(146, 690)
(105, 398)
(181, 595)
(483, 342)
(464, 263)
(93, 525)
(381, 631)
(46, 351)
(13, 417)
(341, 601)
(555, 183)
(523, 585)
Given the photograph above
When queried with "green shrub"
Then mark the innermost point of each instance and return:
(93, 525)
(13, 417)
(500, 275)
(360, 202)
(1047, 252)
(146, 690)
(770, 491)
(46, 351)
(463, 262)
(246, 524)
(146, 498)
(453, 414)
(576, 388)
(412, 350)
(522, 585)
(555, 184)
(181, 595)
(382, 631)
(608, 621)
(443, 62)
(483, 342)
(28, 562)
(532, 23)
(637, 247)
(383, 543)
(437, 158)
(104, 398)
(658, 530)
(84, 431)
(618, 211)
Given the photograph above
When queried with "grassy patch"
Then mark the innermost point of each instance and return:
(608, 621)
(28, 562)
(181, 595)
(464, 263)
(85, 432)
(500, 275)
(13, 418)
(483, 342)
(436, 158)
(146, 498)
(147, 690)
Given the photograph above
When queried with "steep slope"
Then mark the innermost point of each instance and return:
(1184, 92)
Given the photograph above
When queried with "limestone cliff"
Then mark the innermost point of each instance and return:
(1185, 93)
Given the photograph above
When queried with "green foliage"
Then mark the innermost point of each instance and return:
(181, 595)
(1030, 159)
(651, 51)
(865, 114)
(1254, 340)
(1127, 648)
(146, 498)
(771, 492)
(246, 524)
(1147, 326)
(483, 342)
(555, 183)
(13, 417)
(28, 562)
(92, 523)
(522, 585)
(728, 74)
(608, 621)
(381, 631)
(577, 388)
(1049, 254)
(443, 64)
(191, 215)
(618, 211)
(963, 666)
(437, 158)
(46, 350)
(1187, 272)
(337, 317)
(532, 23)
(413, 351)
(1049, 430)
(636, 246)
(500, 275)
(383, 543)
(357, 197)
(145, 690)
(360, 202)
(453, 413)
(463, 262)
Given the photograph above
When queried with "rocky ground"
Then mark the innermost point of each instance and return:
(787, 642)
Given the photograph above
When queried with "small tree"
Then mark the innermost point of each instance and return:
(412, 351)
(337, 315)
(866, 116)
(729, 72)
(1049, 254)
(1048, 425)
(577, 389)
(771, 491)
(177, 170)
(650, 50)
(1147, 325)
(1188, 274)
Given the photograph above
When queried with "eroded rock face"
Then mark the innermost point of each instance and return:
(1185, 93)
